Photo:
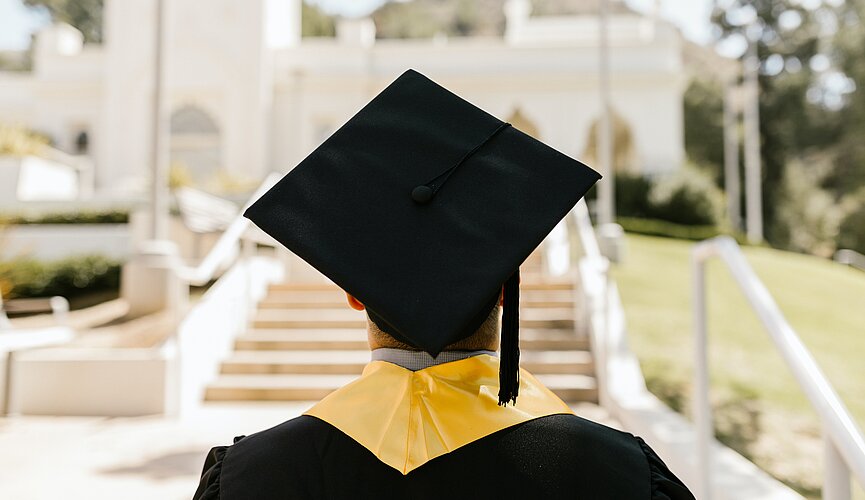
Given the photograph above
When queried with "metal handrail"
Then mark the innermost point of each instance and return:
(226, 246)
(585, 231)
(851, 258)
(844, 446)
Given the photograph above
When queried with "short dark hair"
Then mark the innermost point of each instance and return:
(486, 337)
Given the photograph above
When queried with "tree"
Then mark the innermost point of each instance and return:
(704, 126)
(848, 58)
(787, 38)
(85, 15)
(426, 18)
(315, 22)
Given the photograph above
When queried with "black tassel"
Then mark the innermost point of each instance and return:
(509, 360)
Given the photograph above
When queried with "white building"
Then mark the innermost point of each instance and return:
(246, 95)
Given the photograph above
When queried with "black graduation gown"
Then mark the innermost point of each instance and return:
(557, 456)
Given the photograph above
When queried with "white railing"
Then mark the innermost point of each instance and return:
(851, 258)
(594, 283)
(206, 333)
(622, 389)
(13, 339)
(82, 164)
(226, 248)
(844, 446)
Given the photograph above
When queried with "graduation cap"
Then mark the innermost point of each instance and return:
(423, 206)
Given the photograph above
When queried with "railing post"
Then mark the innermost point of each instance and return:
(603, 340)
(836, 473)
(247, 249)
(702, 408)
(7, 384)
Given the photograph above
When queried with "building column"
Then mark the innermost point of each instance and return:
(731, 154)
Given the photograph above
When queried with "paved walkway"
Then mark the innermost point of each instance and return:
(130, 458)
(45, 458)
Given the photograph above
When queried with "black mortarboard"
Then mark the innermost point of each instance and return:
(422, 206)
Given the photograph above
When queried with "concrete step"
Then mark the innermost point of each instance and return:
(532, 285)
(527, 283)
(304, 387)
(303, 339)
(309, 318)
(335, 293)
(352, 362)
(340, 303)
(274, 387)
(355, 339)
(575, 362)
(304, 287)
(571, 388)
(349, 318)
(335, 299)
(312, 361)
(323, 314)
(301, 299)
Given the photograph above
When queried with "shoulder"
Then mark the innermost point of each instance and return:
(292, 444)
(580, 434)
(302, 432)
(606, 455)
(284, 457)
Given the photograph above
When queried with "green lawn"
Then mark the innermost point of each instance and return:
(823, 301)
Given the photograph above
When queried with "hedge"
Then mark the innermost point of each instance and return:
(685, 197)
(93, 217)
(655, 227)
(28, 277)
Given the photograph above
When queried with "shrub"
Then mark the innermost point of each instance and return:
(808, 218)
(179, 176)
(27, 277)
(87, 217)
(852, 231)
(686, 197)
(632, 195)
(18, 141)
(655, 227)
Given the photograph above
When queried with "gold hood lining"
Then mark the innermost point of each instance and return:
(407, 418)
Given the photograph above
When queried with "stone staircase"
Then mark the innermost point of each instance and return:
(305, 342)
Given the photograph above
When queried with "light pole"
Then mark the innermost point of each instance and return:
(731, 152)
(149, 282)
(751, 117)
(606, 188)
(158, 152)
(610, 235)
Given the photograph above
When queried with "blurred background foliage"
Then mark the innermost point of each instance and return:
(86, 15)
(107, 216)
(812, 118)
(18, 141)
(812, 108)
(69, 277)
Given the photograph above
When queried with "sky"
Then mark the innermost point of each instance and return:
(692, 16)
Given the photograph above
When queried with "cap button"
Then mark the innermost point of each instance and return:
(422, 194)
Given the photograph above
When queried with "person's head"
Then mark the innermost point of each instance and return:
(486, 337)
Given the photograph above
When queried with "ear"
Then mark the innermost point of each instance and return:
(502, 292)
(354, 303)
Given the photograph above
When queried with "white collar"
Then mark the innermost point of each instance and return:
(418, 360)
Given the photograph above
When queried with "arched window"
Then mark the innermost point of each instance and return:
(624, 154)
(82, 143)
(195, 144)
(520, 121)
